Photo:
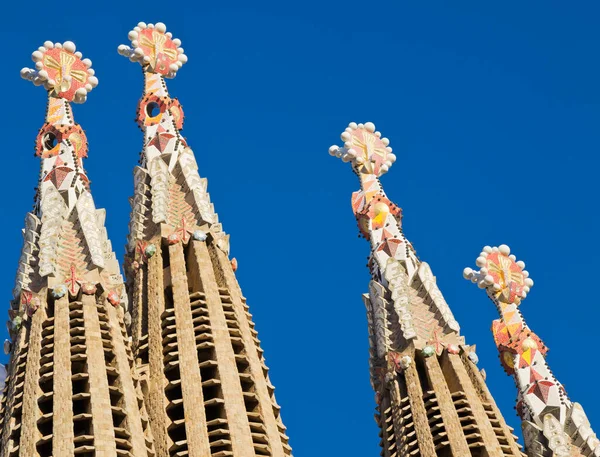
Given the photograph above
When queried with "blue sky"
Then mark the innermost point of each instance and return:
(492, 111)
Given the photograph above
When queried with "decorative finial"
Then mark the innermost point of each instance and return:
(501, 274)
(60, 69)
(155, 49)
(364, 147)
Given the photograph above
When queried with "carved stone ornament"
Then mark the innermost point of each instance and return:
(88, 288)
(113, 298)
(59, 291)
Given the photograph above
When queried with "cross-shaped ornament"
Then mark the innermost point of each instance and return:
(72, 280)
(436, 341)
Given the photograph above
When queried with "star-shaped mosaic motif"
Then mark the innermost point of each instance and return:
(541, 389)
(390, 246)
(58, 175)
(161, 140)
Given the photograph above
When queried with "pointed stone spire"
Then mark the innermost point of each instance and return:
(552, 424)
(204, 374)
(431, 398)
(69, 388)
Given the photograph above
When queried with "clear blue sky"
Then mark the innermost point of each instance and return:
(493, 113)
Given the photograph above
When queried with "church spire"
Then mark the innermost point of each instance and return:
(196, 349)
(551, 422)
(69, 389)
(431, 398)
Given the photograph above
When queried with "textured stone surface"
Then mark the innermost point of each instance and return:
(458, 443)
(104, 434)
(62, 441)
(201, 266)
(191, 382)
(155, 380)
(419, 412)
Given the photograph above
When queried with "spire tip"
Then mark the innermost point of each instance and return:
(155, 49)
(59, 67)
(505, 278)
(364, 147)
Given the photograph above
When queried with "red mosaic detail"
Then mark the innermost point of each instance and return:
(151, 109)
(504, 334)
(58, 175)
(50, 136)
(67, 70)
(177, 113)
(113, 298)
(160, 48)
(161, 140)
(541, 390)
(516, 341)
(390, 246)
(508, 275)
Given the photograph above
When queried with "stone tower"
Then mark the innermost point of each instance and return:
(69, 389)
(204, 376)
(432, 401)
(553, 425)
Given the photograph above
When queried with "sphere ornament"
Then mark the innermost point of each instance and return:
(155, 49)
(364, 147)
(150, 250)
(473, 357)
(59, 291)
(88, 288)
(405, 362)
(501, 274)
(62, 71)
(113, 298)
(453, 348)
(428, 351)
(199, 235)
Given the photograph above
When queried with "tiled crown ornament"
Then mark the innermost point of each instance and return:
(62, 71)
(152, 46)
(504, 278)
(364, 147)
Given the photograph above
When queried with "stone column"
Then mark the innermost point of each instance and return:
(457, 370)
(31, 390)
(102, 420)
(257, 367)
(486, 397)
(456, 437)
(130, 402)
(63, 435)
(156, 381)
(237, 418)
(191, 382)
(415, 397)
